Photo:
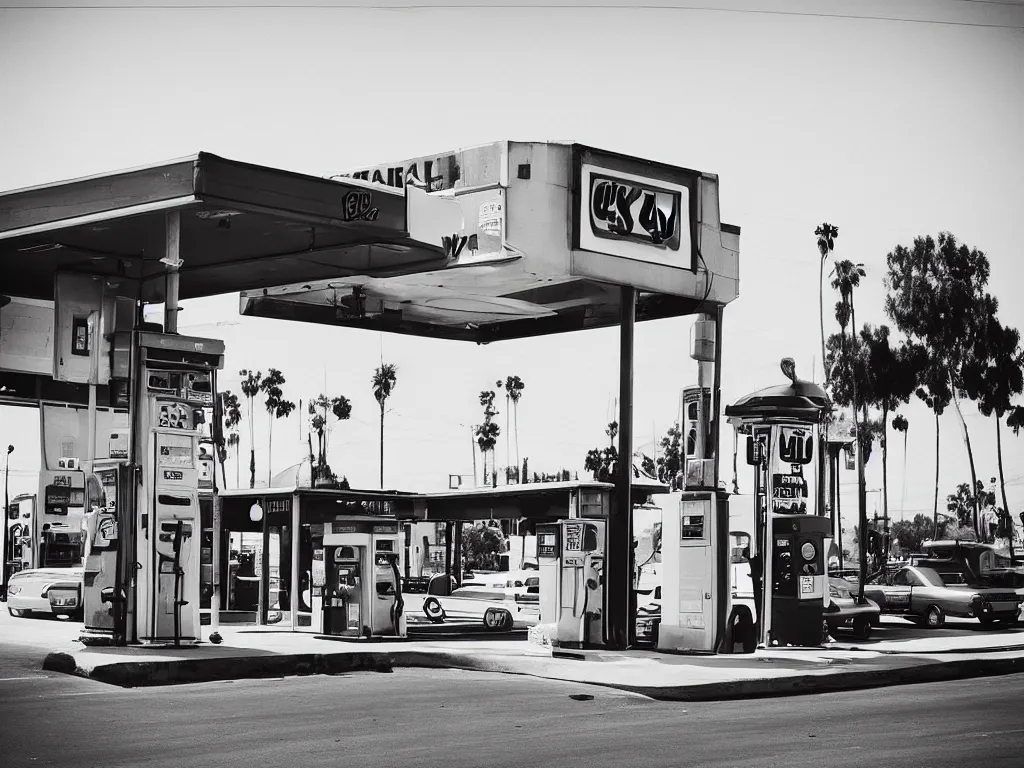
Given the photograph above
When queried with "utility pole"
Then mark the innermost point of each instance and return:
(7, 512)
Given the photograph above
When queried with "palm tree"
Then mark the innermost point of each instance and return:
(383, 382)
(846, 280)
(514, 386)
(508, 412)
(341, 407)
(277, 407)
(488, 432)
(826, 244)
(900, 424)
(996, 383)
(250, 388)
(232, 414)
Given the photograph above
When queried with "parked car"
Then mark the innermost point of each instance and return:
(497, 608)
(920, 594)
(843, 609)
(55, 591)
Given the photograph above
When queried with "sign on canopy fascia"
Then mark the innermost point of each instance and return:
(651, 226)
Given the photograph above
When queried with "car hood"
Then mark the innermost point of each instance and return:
(48, 574)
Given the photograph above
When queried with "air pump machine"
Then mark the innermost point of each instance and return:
(788, 554)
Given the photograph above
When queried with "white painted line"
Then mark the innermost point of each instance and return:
(31, 677)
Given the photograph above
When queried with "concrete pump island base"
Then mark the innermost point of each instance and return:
(504, 241)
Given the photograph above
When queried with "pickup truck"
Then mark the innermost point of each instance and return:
(919, 594)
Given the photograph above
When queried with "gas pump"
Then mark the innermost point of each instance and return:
(788, 554)
(343, 594)
(175, 382)
(362, 593)
(696, 592)
(101, 549)
(570, 556)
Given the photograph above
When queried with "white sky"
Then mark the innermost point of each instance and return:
(888, 129)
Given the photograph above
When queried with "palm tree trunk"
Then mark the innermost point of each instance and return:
(223, 473)
(515, 421)
(1002, 488)
(382, 445)
(252, 449)
(238, 466)
(970, 459)
(270, 451)
(508, 459)
(935, 508)
(885, 464)
(821, 315)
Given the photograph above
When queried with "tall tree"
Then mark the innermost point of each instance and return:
(937, 298)
(508, 432)
(488, 432)
(827, 235)
(383, 383)
(670, 462)
(319, 408)
(893, 375)
(846, 279)
(277, 408)
(900, 424)
(995, 380)
(231, 410)
(250, 388)
(514, 386)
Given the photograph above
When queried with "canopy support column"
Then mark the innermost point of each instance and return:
(621, 628)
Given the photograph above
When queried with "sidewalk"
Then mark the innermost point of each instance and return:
(671, 677)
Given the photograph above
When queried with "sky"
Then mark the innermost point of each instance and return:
(888, 129)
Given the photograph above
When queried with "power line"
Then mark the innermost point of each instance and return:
(510, 7)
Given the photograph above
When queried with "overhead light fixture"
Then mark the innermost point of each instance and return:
(256, 513)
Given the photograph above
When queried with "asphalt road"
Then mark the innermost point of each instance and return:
(456, 718)
(429, 718)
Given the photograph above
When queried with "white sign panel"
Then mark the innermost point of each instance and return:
(625, 215)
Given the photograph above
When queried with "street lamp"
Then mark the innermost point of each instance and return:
(7, 504)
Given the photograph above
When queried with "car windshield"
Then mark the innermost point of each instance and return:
(930, 576)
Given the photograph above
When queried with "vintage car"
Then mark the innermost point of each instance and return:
(55, 591)
(496, 608)
(920, 594)
(843, 609)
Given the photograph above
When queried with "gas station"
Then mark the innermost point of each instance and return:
(502, 241)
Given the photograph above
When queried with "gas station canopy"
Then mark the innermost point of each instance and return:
(550, 233)
(242, 226)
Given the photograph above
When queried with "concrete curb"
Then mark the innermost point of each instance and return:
(137, 674)
(181, 671)
(796, 685)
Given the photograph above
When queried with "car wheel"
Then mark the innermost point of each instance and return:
(862, 627)
(497, 619)
(433, 610)
(17, 613)
(986, 621)
(934, 618)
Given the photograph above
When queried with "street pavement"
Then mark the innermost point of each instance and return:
(417, 717)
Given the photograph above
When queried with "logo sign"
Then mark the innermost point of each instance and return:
(644, 216)
(631, 210)
(796, 446)
(279, 506)
(173, 474)
(61, 481)
(358, 206)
